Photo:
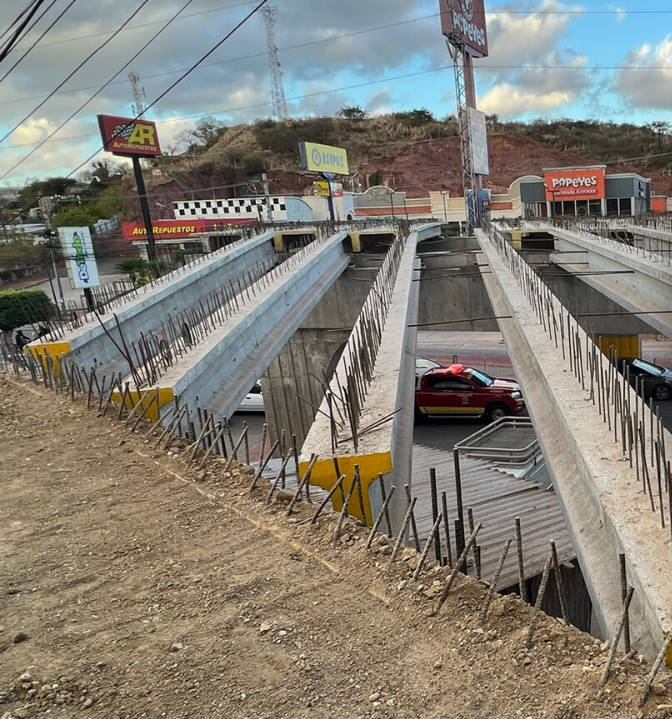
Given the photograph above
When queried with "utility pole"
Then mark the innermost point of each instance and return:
(144, 208)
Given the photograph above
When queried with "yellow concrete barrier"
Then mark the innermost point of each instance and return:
(145, 397)
(371, 466)
(55, 350)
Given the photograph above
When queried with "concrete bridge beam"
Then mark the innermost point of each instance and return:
(606, 514)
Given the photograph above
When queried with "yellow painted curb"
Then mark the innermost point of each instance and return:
(371, 466)
(144, 397)
(55, 350)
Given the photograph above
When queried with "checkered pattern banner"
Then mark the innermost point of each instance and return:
(246, 207)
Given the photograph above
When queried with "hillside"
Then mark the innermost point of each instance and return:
(413, 151)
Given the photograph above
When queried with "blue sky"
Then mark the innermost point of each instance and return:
(565, 39)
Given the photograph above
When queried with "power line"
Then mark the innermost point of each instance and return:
(13, 40)
(334, 38)
(75, 38)
(257, 105)
(120, 130)
(81, 64)
(17, 19)
(489, 14)
(141, 111)
(27, 52)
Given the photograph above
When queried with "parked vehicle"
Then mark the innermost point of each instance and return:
(422, 365)
(657, 381)
(459, 390)
(254, 400)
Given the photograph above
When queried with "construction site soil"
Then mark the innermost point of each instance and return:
(132, 585)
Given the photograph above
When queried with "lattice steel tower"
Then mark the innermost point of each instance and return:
(140, 105)
(270, 13)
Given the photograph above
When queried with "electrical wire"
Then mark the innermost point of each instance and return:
(489, 13)
(17, 18)
(478, 68)
(254, 106)
(217, 45)
(81, 64)
(19, 32)
(27, 52)
(84, 104)
(121, 129)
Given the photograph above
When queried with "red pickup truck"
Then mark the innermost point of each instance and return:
(459, 390)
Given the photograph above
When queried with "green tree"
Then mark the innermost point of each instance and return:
(29, 195)
(23, 307)
(84, 215)
(415, 118)
(353, 113)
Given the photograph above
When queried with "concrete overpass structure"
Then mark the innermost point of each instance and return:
(635, 279)
(583, 413)
(357, 413)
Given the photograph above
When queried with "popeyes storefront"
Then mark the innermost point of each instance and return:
(198, 235)
(585, 191)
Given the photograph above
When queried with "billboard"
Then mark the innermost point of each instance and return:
(323, 158)
(166, 230)
(479, 142)
(126, 136)
(80, 259)
(575, 184)
(463, 22)
(322, 189)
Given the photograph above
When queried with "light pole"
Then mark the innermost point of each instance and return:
(444, 194)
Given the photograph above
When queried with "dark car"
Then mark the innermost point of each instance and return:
(459, 390)
(657, 380)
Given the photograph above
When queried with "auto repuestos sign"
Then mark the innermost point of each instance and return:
(176, 229)
(463, 22)
(126, 136)
(579, 184)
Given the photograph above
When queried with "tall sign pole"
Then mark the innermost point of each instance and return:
(463, 24)
(134, 138)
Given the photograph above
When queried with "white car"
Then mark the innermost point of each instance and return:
(422, 365)
(254, 400)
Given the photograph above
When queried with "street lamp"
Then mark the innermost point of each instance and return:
(444, 194)
(53, 243)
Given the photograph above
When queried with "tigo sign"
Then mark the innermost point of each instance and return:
(323, 158)
(126, 136)
(575, 184)
(463, 22)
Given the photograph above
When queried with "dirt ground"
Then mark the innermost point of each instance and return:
(132, 586)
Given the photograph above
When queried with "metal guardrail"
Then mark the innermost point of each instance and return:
(484, 444)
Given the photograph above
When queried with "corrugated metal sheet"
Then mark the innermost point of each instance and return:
(496, 498)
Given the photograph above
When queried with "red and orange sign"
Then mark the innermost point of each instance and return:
(126, 136)
(583, 184)
(166, 230)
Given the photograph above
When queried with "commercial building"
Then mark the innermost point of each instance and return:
(585, 191)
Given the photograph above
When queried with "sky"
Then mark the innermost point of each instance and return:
(548, 59)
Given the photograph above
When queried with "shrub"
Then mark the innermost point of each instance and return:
(23, 307)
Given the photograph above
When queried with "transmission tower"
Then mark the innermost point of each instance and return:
(270, 13)
(140, 104)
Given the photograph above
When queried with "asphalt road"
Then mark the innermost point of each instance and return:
(482, 350)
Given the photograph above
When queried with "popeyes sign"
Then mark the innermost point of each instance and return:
(463, 23)
(585, 184)
(126, 136)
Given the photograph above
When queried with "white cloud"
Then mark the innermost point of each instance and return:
(509, 101)
(652, 87)
(380, 102)
(621, 13)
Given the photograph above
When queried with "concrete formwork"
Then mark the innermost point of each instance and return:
(606, 514)
(390, 394)
(98, 343)
(655, 240)
(218, 373)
